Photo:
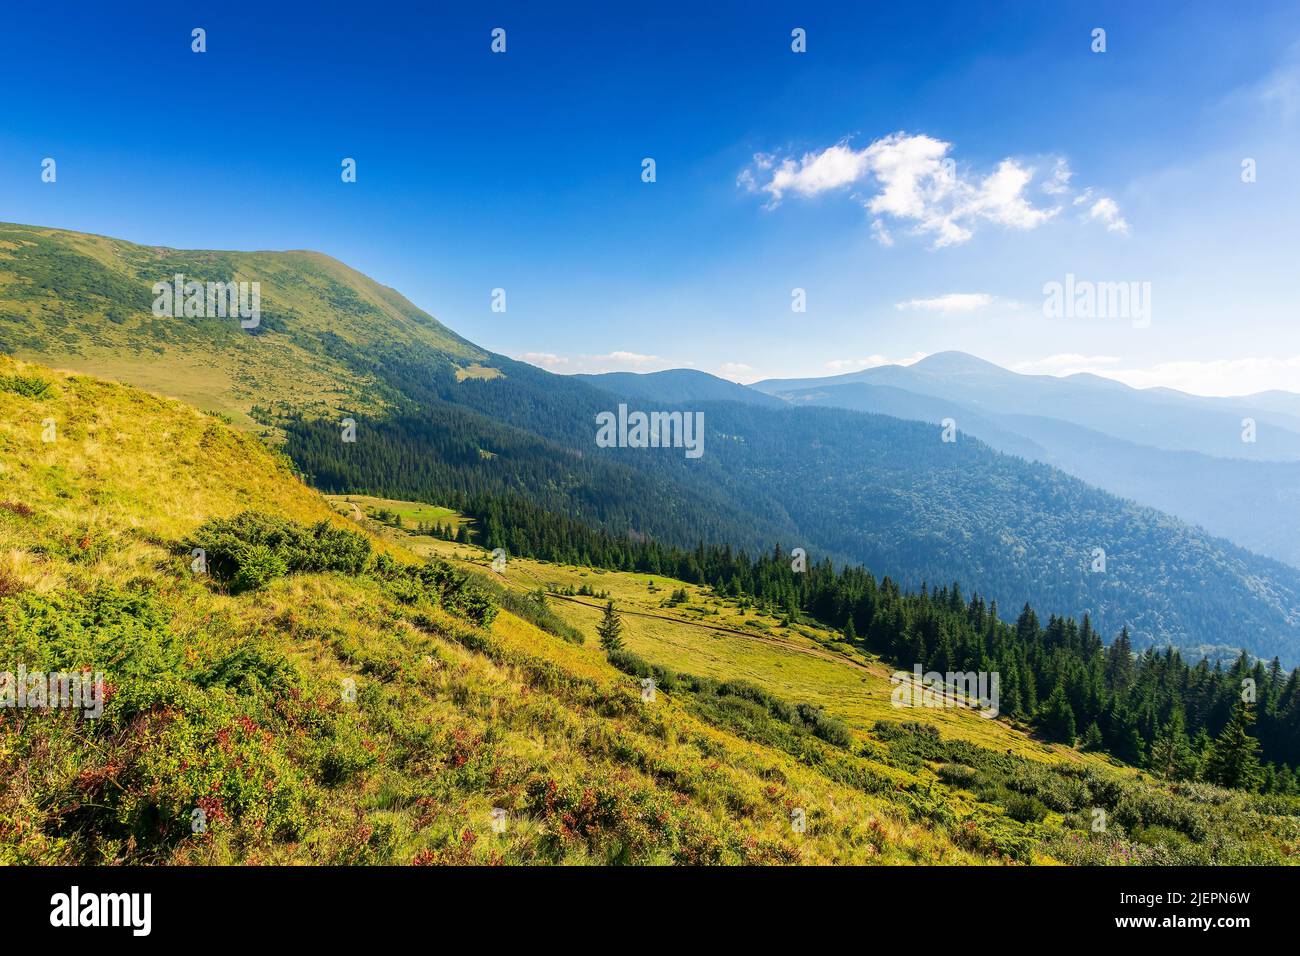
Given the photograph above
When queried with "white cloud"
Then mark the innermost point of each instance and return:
(628, 358)
(616, 361)
(912, 179)
(953, 302)
(871, 361)
(915, 181)
(881, 233)
(735, 371)
(1065, 363)
(1280, 90)
(832, 168)
(1001, 198)
(546, 360)
(1107, 210)
(1059, 184)
(1242, 376)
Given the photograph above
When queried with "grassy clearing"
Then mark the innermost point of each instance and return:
(411, 513)
(723, 638)
(476, 372)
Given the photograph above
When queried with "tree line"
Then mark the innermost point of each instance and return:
(1234, 723)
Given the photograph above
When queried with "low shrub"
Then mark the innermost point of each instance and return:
(28, 386)
(252, 549)
(1024, 808)
(440, 583)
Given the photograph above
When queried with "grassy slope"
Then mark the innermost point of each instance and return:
(411, 513)
(447, 723)
(721, 638)
(714, 637)
(232, 704)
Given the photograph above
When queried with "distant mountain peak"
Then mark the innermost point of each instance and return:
(677, 386)
(954, 362)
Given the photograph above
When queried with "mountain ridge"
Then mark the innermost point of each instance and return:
(858, 488)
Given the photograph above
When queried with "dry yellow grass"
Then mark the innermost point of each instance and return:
(127, 475)
(714, 637)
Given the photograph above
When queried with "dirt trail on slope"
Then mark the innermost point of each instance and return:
(361, 518)
(737, 632)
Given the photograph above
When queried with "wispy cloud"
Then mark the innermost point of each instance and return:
(953, 302)
(1058, 184)
(1065, 363)
(616, 361)
(912, 179)
(871, 361)
(1106, 210)
(626, 358)
(1280, 89)
(736, 371)
(546, 360)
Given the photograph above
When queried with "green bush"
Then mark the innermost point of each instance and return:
(252, 549)
(251, 669)
(958, 775)
(823, 725)
(629, 663)
(179, 732)
(28, 386)
(1024, 808)
(438, 582)
(257, 567)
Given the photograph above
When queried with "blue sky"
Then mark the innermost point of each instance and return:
(775, 171)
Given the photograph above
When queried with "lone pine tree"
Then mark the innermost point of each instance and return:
(610, 629)
(1234, 758)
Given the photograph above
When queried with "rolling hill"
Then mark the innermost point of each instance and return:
(679, 386)
(1254, 504)
(439, 419)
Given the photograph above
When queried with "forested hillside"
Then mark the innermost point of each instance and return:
(1154, 709)
(440, 419)
(1252, 503)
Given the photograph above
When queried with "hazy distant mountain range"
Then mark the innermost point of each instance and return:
(1181, 453)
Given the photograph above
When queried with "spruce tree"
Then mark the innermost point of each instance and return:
(1171, 752)
(1119, 662)
(1234, 758)
(610, 629)
(1058, 716)
(1092, 739)
(1125, 739)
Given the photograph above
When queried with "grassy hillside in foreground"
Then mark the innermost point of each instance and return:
(967, 760)
(233, 709)
(231, 704)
